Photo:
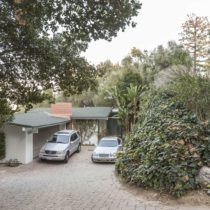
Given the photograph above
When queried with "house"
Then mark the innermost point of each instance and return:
(26, 134)
(29, 131)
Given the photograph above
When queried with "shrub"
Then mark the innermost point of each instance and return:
(2, 146)
(166, 148)
(194, 92)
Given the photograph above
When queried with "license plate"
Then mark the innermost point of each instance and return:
(103, 155)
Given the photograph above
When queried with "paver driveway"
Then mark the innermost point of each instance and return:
(78, 185)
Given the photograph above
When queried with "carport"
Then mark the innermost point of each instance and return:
(29, 131)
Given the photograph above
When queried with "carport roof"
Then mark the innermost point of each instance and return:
(37, 118)
(91, 113)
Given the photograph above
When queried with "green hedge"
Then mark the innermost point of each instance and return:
(167, 147)
(2, 146)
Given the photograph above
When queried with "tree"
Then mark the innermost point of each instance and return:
(41, 42)
(195, 37)
(128, 103)
(126, 95)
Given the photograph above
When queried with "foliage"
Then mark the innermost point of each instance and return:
(166, 148)
(173, 54)
(41, 42)
(106, 83)
(128, 77)
(126, 95)
(137, 68)
(5, 111)
(194, 93)
(195, 38)
(86, 128)
(150, 63)
(104, 68)
(128, 103)
(78, 100)
(2, 146)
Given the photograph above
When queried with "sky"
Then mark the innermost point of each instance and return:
(158, 22)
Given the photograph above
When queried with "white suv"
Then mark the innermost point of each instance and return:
(61, 145)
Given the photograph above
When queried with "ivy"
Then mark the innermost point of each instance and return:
(166, 148)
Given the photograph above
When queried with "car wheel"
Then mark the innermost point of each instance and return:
(92, 159)
(66, 158)
(79, 148)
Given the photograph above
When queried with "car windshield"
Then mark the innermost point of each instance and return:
(108, 143)
(63, 139)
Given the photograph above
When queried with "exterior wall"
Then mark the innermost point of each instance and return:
(42, 136)
(100, 131)
(18, 144)
(29, 147)
(23, 145)
(93, 139)
(61, 110)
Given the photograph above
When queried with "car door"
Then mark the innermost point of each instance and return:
(77, 141)
(73, 142)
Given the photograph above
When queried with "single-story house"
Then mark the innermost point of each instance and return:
(27, 132)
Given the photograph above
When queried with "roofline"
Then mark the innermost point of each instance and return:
(89, 118)
(42, 126)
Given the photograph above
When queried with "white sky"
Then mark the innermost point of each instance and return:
(158, 22)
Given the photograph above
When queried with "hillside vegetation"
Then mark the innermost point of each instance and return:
(167, 147)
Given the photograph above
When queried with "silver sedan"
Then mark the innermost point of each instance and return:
(106, 149)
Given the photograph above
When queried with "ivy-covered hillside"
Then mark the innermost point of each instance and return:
(167, 147)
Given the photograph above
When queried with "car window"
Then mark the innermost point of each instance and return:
(76, 135)
(73, 137)
(119, 141)
(108, 143)
(63, 139)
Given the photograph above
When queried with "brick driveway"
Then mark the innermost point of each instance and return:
(77, 185)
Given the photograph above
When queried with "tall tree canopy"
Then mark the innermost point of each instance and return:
(150, 63)
(41, 42)
(196, 38)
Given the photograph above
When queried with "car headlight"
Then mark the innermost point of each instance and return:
(42, 150)
(95, 154)
(60, 152)
(113, 154)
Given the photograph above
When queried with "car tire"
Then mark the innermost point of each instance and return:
(79, 148)
(66, 159)
(93, 159)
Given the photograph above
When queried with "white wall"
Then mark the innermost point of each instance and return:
(19, 144)
(93, 139)
(28, 147)
(40, 138)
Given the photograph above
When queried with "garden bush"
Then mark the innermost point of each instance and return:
(2, 146)
(194, 92)
(166, 148)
